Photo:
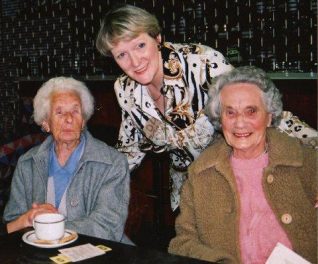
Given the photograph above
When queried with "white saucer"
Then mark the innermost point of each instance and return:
(30, 238)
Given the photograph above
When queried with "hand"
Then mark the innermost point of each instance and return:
(38, 209)
(26, 219)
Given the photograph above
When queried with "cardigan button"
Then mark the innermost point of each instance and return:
(270, 178)
(286, 219)
(229, 210)
(74, 202)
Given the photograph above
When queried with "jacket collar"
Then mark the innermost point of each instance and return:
(93, 148)
(283, 150)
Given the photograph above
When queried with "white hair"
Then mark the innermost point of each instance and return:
(244, 74)
(42, 100)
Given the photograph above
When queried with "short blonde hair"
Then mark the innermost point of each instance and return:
(42, 100)
(125, 22)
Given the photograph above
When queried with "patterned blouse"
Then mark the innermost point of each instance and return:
(183, 130)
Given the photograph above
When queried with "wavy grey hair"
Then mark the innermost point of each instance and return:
(125, 22)
(42, 100)
(244, 74)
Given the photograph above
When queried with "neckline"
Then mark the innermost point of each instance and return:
(254, 158)
(160, 95)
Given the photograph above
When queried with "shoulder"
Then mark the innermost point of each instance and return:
(212, 156)
(125, 86)
(288, 149)
(282, 139)
(98, 151)
(199, 58)
(38, 150)
(200, 50)
(294, 127)
(29, 154)
(122, 82)
(191, 48)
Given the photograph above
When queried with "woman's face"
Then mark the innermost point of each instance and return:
(244, 119)
(65, 118)
(140, 58)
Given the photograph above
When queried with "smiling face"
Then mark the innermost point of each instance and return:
(65, 119)
(140, 58)
(244, 119)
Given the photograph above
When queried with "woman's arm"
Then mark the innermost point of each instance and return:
(292, 126)
(17, 224)
(128, 142)
(129, 135)
(17, 208)
(26, 219)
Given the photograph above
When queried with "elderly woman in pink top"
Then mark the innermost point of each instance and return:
(253, 188)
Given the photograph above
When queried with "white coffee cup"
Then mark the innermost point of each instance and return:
(49, 226)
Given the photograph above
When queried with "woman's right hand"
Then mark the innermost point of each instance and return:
(26, 220)
(38, 209)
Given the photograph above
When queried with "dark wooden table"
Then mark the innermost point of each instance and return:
(14, 250)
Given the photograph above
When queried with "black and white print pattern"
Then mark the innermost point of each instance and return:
(184, 130)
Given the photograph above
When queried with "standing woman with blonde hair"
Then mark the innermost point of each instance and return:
(162, 92)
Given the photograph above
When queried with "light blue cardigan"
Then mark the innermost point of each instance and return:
(98, 195)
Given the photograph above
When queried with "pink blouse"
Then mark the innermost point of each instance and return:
(259, 228)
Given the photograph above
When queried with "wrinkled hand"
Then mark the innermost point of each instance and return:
(26, 219)
(37, 209)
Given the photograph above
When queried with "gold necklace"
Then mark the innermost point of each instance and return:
(155, 100)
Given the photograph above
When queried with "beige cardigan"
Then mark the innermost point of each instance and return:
(208, 225)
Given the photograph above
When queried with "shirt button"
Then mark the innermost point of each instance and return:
(270, 178)
(286, 219)
(74, 203)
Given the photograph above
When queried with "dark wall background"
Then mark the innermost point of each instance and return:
(44, 38)
(40, 39)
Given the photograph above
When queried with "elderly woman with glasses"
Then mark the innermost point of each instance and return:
(253, 188)
(71, 172)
